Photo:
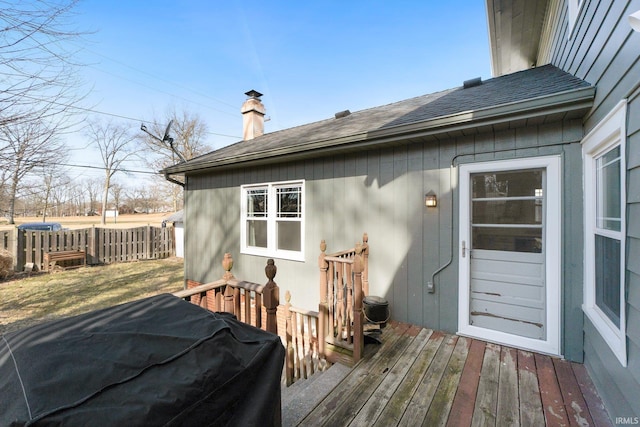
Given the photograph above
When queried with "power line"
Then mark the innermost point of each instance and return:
(90, 110)
(165, 92)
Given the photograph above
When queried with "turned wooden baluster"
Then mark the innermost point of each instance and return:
(289, 340)
(271, 298)
(358, 316)
(340, 300)
(227, 264)
(323, 309)
(365, 264)
(331, 299)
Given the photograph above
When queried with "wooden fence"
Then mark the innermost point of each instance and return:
(102, 245)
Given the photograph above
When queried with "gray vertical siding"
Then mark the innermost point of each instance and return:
(604, 51)
(382, 192)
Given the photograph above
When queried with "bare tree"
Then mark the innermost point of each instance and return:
(115, 144)
(187, 134)
(117, 191)
(92, 189)
(54, 182)
(27, 146)
(37, 70)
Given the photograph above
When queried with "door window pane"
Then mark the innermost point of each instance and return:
(507, 184)
(508, 239)
(507, 212)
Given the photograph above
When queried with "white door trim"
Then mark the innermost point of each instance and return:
(552, 164)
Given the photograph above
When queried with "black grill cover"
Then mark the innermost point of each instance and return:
(152, 362)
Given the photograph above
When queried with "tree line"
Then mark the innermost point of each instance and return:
(41, 101)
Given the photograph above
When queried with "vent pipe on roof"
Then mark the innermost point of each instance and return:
(252, 116)
(472, 83)
(341, 114)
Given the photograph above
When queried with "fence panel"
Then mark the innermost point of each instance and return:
(102, 245)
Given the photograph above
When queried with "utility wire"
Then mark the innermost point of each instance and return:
(90, 110)
(155, 77)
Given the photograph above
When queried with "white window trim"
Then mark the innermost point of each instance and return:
(574, 7)
(553, 299)
(608, 134)
(271, 250)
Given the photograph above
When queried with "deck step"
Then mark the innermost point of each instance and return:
(304, 395)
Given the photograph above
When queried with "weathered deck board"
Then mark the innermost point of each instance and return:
(419, 404)
(577, 410)
(441, 405)
(554, 412)
(394, 377)
(596, 408)
(507, 412)
(397, 405)
(464, 401)
(487, 398)
(421, 377)
(530, 405)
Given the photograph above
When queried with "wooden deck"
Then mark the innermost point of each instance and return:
(421, 377)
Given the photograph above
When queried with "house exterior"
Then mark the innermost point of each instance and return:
(177, 220)
(593, 40)
(534, 241)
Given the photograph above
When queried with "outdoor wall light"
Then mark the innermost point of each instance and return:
(634, 20)
(430, 200)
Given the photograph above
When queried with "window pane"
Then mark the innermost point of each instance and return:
(508, 239)
(257, 203)
(507, 184)
(289, 235)
(607, 254)
(507, 212)
(257, 233)
(608, 196)
(289, 202)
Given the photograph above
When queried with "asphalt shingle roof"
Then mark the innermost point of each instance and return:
(508, 89)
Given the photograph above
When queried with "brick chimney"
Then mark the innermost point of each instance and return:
(252, 116)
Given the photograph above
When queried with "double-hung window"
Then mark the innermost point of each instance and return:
(272, 220)
(604, 174)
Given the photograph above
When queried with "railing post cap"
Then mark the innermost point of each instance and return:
(270, 270)
(227, 264)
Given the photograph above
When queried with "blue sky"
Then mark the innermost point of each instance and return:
(309, 59)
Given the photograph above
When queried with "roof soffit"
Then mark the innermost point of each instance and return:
(515, 28)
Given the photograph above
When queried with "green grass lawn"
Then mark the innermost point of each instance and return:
(28, 301)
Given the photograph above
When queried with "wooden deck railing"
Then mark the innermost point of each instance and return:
(243, 299)
(247, 300)
(303, 357)
(343, 284)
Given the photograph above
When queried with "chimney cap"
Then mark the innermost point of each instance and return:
(253, 94)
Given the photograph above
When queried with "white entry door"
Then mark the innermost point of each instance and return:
(509, 256)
